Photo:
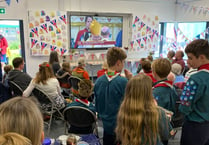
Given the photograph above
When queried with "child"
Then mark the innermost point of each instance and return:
(146, 67)
(163, 90)
(12, 138)
(140, 120)
(71, 140)
(109, 91)
(23, 116)
(103, 70)
(63, 74)
(170, 55)
(85, 89)
(7, 68)
(194, 99)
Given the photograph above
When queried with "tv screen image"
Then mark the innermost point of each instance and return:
(95, 32)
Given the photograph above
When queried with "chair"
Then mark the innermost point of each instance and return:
(80, 119)
(64, 83)
(47, 106)
(73, 81)
(15, 89)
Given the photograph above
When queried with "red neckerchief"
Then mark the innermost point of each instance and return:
(83, 101)
(205, 66)
(163, 83)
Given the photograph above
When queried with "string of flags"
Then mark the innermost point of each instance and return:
(9, 1)
(179, 33)
(194, 9)
(144, 32)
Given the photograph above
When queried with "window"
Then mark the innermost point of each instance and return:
(176, 36)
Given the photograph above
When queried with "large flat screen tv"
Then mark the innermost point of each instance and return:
(95, 32)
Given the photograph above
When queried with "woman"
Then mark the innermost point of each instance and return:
(22, 116)
(46, 81)
(139, 119)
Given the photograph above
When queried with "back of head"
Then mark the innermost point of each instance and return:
(17, 61)
(85, 88)
(138, 111)
(176, 68)
(150, 58)
(7, 68)
(81, 62)
(53, 57)
(179, 54)
(114, 54)
(171, 53)
(161, 67)
(45, 72)
(171, 77)
(146, 66)
(12, 138)
(198, 47)
(66, 66)
(22, 115)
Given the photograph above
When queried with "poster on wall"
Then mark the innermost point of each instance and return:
(145, 32)
(47, 32)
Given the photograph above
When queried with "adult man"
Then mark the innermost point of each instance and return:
(179, 59)
(84, 34)
(16, 75)
(109, 91)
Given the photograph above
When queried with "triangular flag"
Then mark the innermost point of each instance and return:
(35, 30)
(44, 26)
(138, 41)
(132, 44)
(62, 50)
(54, 22)
(145, 39)
(33, 42)
(43, 45)
(53, 48)
(136, 19)
(8, 2)
(142, 24)
(63, 18)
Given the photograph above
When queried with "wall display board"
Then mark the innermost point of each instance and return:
(47, 32)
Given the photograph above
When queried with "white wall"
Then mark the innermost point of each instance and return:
(187, 15)
(165, 10)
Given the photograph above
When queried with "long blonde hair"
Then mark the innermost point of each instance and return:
(45, 72)
(137, 121)
(12, 138)
(22, 115)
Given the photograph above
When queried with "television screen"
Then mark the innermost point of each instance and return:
(95, 32)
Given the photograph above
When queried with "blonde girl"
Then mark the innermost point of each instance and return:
(138, 117)
(22, 115)
(12, 138)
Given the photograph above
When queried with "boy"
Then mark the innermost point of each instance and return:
(109, 91)
(163, 90)
(85, 88)
(195, 96)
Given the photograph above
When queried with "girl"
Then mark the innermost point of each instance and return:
(139, 120)
(46, 81)
(22, 115)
